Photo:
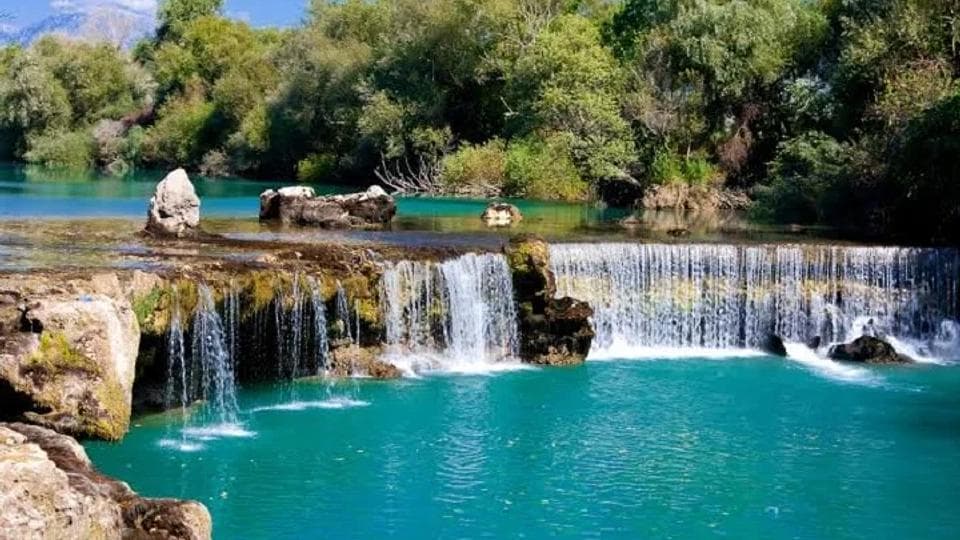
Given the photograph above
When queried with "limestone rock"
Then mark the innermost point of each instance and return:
(72, 367)
(49, 489)
(299, 205)
(553, 331)
(868, 350)
(499, 214)
(174, 208)
(350, 360)
(680, 196)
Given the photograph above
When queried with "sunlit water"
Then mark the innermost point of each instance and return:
(742, 447)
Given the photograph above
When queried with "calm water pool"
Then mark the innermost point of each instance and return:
(29, 192)
(692, 448)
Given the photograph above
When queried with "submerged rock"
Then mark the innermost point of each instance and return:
(773, 344)
(498, 214)
(51, 490)
(174, 207)
(553, 331)
(868, 350)
(299, 205)
(72, 367)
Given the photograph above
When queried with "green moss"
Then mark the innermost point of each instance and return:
(261, 288)
(55, 355)
(145, 306)
(113, 419)
(362, 293)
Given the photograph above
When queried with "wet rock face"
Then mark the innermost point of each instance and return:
(773, 344)
(553, 331)
(299, 205)
(175, 208)
(50, 490)
(868, 350)
(350, 360)
(72, 366)
(501, 215)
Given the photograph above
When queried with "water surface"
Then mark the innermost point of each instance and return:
(690, 448)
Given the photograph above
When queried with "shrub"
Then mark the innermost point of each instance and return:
(810, 177)
(181, 134)
(543, 169)
(66, 150)
(476, 169)
(316, 167)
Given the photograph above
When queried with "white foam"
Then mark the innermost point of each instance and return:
(182, 445)
(217, 431)
(915, 350)
(624, 351)
(415, 365)
(802, 354)
(332, 403)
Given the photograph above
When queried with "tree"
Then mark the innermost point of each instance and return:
(174, 15)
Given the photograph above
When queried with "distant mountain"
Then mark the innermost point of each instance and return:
(106, 20)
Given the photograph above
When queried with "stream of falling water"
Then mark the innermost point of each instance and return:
(457, 315)
(715, 297)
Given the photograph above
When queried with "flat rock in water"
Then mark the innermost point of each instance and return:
(299, 205)
(501, 215)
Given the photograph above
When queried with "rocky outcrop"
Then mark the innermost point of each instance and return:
(350, 360)
(553, 331)
(680, 196)
(299, 205)
(68, 360)
(498, 214)
(175, 208)
(49, 489)
(868, 350)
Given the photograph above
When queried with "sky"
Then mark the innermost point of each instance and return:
(256, 12)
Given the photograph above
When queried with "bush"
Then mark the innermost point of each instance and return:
(215, 164)
(543, 169)
(182, 133)
(810, 179)
(66, 150)
(478, 170)
(670, 168)
(316, 167)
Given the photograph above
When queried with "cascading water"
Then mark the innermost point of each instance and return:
(212, 367)
(231, 321)
(321, 345)
(721, 296)
(342, 314)
(455, 313)
(176, 390)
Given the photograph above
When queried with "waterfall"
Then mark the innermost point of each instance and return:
(321, 345)
(342, 314)
(213, 368)
(722, 296)
(176, 390)
(458, 312)
(231, 320)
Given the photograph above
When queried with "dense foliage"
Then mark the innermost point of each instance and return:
(840, 112)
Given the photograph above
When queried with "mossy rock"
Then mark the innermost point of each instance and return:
(55, 355)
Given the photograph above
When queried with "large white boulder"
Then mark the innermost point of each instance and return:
(174, 207)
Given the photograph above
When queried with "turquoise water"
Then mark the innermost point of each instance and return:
(30, 192)
(692, 448)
